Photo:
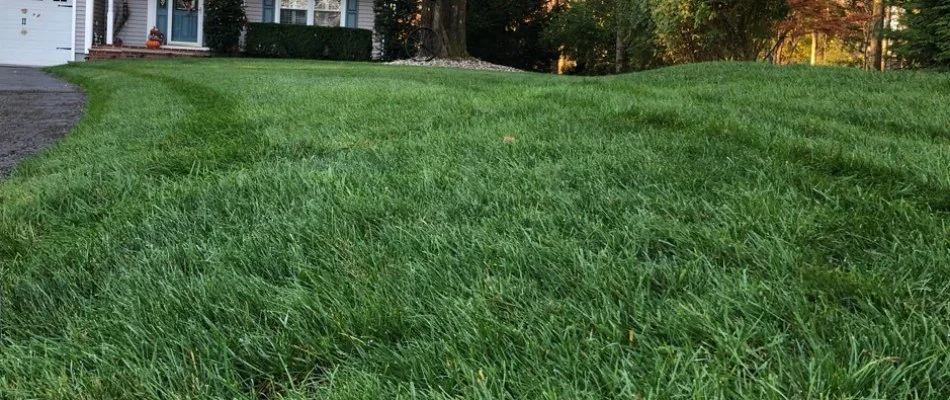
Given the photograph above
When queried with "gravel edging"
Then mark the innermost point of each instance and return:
(468, 63)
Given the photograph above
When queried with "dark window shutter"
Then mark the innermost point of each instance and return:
(352, 6)
(268, 14)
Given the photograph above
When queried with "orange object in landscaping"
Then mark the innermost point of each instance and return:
(155, 38)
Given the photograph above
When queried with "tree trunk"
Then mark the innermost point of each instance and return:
(877, 33)
(778, 53)
(556, 63)
(773, 56)
(788, 47)
(447, 19)
(814, 48)
(887, 24)
(620, 56)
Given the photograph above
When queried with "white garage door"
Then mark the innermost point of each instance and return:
(36, 32)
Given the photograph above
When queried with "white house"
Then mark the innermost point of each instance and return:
(51, 32)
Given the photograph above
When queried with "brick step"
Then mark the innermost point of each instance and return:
(131, 52)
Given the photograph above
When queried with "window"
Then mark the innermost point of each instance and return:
(303, 12)
(293, 12)
(186, 5)
(268, 11)
(327, 13)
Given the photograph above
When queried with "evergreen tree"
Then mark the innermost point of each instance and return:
(925, 39)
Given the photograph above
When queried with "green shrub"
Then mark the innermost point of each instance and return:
(301, 41)
(224, 20)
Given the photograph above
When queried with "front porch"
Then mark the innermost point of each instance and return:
(120, 28)
(127, 23)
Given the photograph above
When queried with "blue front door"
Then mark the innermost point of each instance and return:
(185, 21)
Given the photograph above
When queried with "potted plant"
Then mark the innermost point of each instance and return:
(155, 38)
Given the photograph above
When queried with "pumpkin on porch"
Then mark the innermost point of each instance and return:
(155, 38)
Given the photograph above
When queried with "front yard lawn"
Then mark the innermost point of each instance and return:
(255, 228)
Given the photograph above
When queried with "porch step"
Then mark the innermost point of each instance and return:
(127, 52)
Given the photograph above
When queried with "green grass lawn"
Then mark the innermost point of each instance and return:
(254, 228)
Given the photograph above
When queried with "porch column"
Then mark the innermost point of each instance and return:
(310, 12)
(110, 22)
(87, 34)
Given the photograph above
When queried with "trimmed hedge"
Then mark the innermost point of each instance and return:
(302, 41)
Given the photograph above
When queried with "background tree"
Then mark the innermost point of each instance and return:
(508, 32)
(819, 20)
(604, 36)
(396, 18)
(925, 39)
(578, 32)
(704, 30)
(877, 35)
(447, 18)
(610, 36)
(635, 45)
(857, 39)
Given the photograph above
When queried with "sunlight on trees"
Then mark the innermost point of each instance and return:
(614, 36)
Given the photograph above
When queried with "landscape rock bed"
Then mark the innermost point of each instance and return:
(468, 63)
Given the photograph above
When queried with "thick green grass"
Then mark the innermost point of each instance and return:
(253, 228)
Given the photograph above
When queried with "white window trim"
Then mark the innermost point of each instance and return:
(310, 11)
(343, 7)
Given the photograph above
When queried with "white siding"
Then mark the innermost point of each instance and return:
(255, 10)
(135, 31)
(365, 19)
(364, 15)
(255, 13)
(79, 48)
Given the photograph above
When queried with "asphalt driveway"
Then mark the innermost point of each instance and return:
(35, 111)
